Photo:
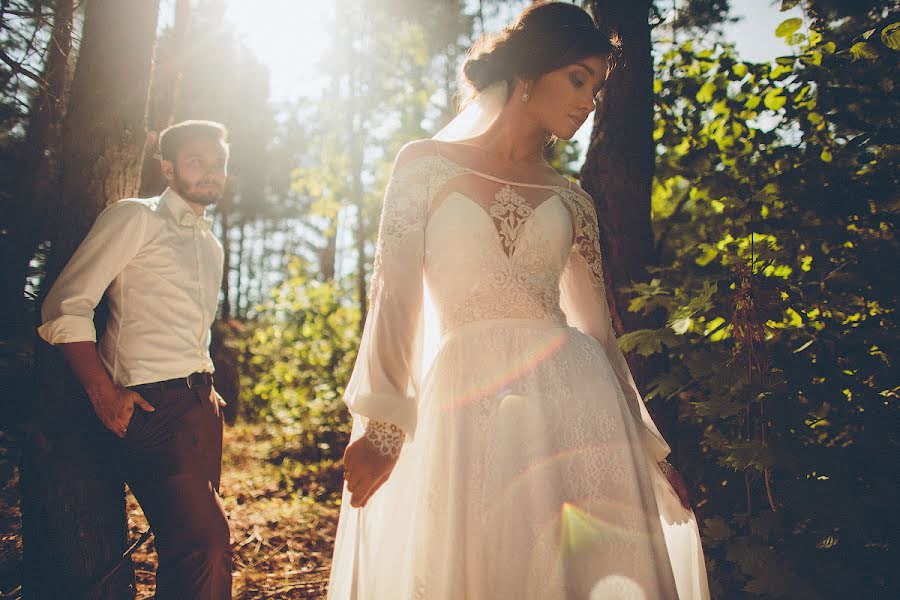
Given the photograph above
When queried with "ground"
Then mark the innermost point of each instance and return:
(282, 536)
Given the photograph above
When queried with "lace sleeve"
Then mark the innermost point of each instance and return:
(382, 387)
(583, 298)
(386, 437)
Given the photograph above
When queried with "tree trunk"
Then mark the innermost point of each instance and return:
(240, 300)
(359, 234)
(328, 255)
(165, 88)
(38, 175)
(618, 169)
(261, 261)
(225, 210)
(356, 143)
(73, 506)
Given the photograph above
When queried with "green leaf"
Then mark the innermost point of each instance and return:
(646, 341)
(863, 50)
(709, 253)
(826, 155)
(716, 529)
(781, 69)
(706, 92)
(890, 36)
(739, 69)
(786, 28)
(813, 57)
(788, 4)
(775, 99)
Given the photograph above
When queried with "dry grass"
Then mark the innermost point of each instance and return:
(282, 538)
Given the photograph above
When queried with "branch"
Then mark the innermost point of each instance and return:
(19, 69)
(25, 14)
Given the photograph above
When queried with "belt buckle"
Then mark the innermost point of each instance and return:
(188, 379)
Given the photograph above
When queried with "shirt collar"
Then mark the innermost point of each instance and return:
(181, 211)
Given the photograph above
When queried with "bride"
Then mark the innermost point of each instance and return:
(500, 449)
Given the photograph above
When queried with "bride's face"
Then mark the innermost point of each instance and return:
(562, 100)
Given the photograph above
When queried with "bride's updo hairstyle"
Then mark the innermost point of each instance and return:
(547, 36)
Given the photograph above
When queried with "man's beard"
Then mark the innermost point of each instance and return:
(204, 199)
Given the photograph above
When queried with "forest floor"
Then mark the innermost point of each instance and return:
(282, 536)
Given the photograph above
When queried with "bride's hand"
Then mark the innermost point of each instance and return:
(366, 468)
(677, 482)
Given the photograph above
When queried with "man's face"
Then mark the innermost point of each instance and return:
(198, 171)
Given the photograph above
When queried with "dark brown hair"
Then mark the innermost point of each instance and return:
(173, 138)
(546, 36)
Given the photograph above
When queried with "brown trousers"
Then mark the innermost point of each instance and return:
(172, 461)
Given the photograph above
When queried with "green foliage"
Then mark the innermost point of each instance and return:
(297, 363)
(775, 208)
(788, 27)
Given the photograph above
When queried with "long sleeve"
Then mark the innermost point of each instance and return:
(583, 298)
(115, 238)
(383, 386)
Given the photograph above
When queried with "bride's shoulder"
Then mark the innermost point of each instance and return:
(413, 151)
(574, 187)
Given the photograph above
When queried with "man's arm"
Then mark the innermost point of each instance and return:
(114, 405)
(114, 240)
(68, 311)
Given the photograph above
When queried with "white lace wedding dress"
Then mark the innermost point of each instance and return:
(530, 464)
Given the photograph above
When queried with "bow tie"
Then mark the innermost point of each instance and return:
(190, 219)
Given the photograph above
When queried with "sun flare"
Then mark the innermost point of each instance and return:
(289, 37)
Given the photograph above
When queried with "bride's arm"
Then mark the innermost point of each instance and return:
(583, 298)
(382, 387)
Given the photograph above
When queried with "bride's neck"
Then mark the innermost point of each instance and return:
(514, 137)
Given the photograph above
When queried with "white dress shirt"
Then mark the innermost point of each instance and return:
(161, 268)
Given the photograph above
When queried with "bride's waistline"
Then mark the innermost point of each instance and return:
(485, 324)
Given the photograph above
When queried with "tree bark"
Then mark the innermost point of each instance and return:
(240, 293)
(73, 505)
(618, 170)
(39, 156)
(328, 255)
(165, 89)
(225, 206)
(356, 142)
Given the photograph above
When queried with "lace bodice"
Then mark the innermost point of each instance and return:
(485, 248)
(493, 249)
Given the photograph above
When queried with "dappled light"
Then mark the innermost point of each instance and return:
(742, 163)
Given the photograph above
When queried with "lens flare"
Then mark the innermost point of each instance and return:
(501, 382)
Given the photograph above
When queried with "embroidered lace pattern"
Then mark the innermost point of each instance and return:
(509, 211)
(386, 437)
(525, 287)
(407, 198)
(587, 234)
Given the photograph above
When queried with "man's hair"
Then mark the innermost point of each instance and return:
(173, 138)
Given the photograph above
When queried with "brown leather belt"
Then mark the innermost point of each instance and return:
(191, 381)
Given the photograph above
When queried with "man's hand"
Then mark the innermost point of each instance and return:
(114, 406)
(217, 398)
(366, 469)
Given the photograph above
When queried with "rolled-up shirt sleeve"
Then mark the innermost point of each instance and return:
(67, 314)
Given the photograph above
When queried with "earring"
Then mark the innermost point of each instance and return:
(525, 95)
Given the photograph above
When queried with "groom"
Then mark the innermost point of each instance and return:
(149, 380)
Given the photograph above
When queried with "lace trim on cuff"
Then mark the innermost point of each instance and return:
(386, 437)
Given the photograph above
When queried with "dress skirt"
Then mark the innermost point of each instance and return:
(526, 479)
